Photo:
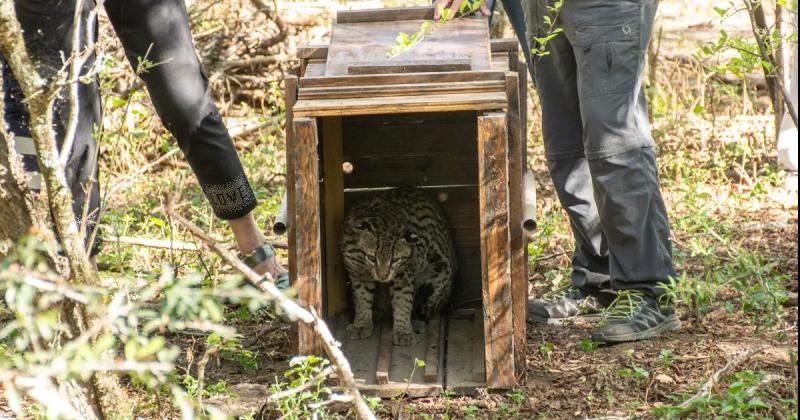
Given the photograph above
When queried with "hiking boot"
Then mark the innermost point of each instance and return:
(634, 316)
(564, 304)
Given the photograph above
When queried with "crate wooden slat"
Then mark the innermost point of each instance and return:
(392, 104)
(409, 89)
(495, 248)
(368, 40)
(307, 231)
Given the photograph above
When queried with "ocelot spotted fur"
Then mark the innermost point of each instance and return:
(399, 238)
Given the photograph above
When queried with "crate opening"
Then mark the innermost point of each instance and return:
(438, 154)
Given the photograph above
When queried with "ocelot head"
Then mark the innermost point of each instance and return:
(387, 247)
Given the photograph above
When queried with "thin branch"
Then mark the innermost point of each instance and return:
(291, 308)
(705, 390)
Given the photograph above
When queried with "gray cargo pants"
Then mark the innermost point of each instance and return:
(597, 141)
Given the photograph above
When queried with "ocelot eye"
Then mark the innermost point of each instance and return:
(371, 258)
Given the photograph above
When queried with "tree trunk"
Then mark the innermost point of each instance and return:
(102, 395)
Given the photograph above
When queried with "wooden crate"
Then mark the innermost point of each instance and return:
(456, 134)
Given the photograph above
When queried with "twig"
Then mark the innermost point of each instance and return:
(201, 371)
(705, 390)
(547, 257)
(292, 309)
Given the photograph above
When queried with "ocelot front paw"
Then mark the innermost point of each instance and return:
(359, 332)
(404, 339)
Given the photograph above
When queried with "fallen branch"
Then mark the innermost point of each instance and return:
(705, 390)
(168, 244)
(291, 308)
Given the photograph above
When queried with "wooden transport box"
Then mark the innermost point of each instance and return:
(448, 117)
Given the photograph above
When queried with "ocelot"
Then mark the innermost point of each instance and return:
(398, 238)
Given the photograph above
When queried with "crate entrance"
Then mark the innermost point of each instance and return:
(450, 345)
(438, 154)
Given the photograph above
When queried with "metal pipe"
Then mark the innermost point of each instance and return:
(281, 219)
(529, 202)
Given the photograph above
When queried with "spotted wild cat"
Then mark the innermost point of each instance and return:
(399, 238)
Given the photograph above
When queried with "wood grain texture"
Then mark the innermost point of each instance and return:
(400, 104)
(519, 281)
(408, 89)
(384, 15)
(396, 79)
(290, 97)
(433, 340)
(314, 51)
(495, 250)
(308, 246)
(363, 357)
(369, 42)
(465, 352)
(496, 45)
(500, 61)
(410, 66)
(504, 45)
(335, 300)
(384, 355)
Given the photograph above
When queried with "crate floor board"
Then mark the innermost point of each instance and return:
(465, 354)
(382, 369)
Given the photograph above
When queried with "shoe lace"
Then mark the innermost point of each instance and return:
(624, 305)
(567, 291)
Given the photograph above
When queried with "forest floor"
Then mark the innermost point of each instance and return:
(734, 225)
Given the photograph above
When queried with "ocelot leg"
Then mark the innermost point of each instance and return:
(363, 293)
(402, 306)
(442, 282)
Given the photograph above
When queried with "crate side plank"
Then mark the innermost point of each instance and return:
(495, 252)
(290, 96)
(519, 282)
(307, 230)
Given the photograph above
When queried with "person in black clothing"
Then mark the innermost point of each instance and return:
(157, 40)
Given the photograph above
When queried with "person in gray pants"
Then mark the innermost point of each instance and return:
(602, 162)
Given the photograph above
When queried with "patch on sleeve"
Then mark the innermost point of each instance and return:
(231, 197)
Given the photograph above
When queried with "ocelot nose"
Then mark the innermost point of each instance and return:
(382, 273)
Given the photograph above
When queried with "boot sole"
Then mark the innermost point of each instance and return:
(671, 323)
(559, 321)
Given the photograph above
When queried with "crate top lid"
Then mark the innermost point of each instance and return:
(361, 39)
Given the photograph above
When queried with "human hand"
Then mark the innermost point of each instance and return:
(455, 5)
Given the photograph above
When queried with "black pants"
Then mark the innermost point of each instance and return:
(158, 43)
(597, 140)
